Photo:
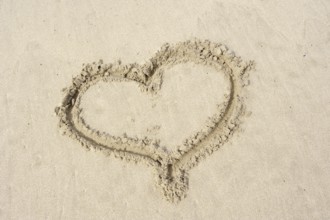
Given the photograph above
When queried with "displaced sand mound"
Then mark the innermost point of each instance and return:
(172, 165)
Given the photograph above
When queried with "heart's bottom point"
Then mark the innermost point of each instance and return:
(173, 183)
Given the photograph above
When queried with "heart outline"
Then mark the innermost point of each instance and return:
(171, 170)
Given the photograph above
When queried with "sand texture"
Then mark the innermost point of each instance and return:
(172, 165)
(164, 109)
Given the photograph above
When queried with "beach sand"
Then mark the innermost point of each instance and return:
(269, 160)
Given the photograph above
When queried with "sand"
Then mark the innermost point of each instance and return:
(218, 136)
(172, 164)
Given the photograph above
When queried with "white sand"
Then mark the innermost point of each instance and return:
(276, 167)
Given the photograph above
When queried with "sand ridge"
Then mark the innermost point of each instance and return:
(171, 168)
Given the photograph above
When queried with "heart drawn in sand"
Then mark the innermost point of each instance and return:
(171, 166)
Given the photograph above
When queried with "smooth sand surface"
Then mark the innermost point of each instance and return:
(276, 166)
(189, 95)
